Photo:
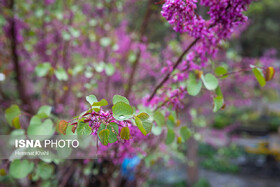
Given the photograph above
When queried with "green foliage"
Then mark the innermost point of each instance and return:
(259, 76)
(43, 69)
(159, 118)
(113, 131)
(109, 69)
(91, 99)
(185, 133)
(103, 102)
(218, 103)
(202, 182)
(143, 116)
(170, 136)
(119, 98)
(61, 74)
(219, 71)
(122, 111)
(125, 134)
(140, 125)
(36, 127)
(210, 81)
(193, 85)
(20, 168)
(105, 41)
(45, 170)
(104, 136)
(44, 111)
(12, 115)
(83, 129)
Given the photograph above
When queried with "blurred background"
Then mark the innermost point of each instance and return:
(56, 53)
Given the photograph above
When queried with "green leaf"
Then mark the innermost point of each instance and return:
(83, 129)
(122, 111)
(16, 122)
(104, 136)
(159, 118)
(105, 41)
(218, 103)
(140, 125)
(157, 130)
(36, 127)
(125, 134)
(259, 76)
(103, 102)
(170, 136)
(45, 170)
(119, 98)
(20, 169)
(42, 69)
(114, 131)
(221, 71)
(219, 91)
(143, 116)
(185, 133)
(44, 111)
(91, 99)
(147, 126)
(193, 85)
(11, 113)
(109, 69)
(210, 81)
(61, 74)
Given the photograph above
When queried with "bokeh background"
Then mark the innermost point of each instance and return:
(55, 53)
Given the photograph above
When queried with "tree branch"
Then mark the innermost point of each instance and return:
(144, 27)
(179, 60)
(21, 86)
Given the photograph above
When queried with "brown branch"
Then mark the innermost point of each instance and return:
(179, 60)
(144, 27)
(21, 85)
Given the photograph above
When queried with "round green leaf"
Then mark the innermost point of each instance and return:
(83, 129)
(218, 103)
(91, 99)
(210, 81)
(104, 136)
(125, 134)
(159, 118)
(170, 136)
(105, 41)
(103, 102)
(157, 130)
(185, 133)
(61, 74)
(42, 69)
(11, 113)
(122, 111)
(140, 125)
(220, 71)
(143, 116)
(109, 69)
(113, 131)
(44, 111)
(45, 170)
(119, 98)
(21, 168)
(36, 127)
(193, 85)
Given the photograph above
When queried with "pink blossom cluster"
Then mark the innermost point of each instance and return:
(225, 16)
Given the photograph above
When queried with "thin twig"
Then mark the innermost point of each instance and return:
(179, 60)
